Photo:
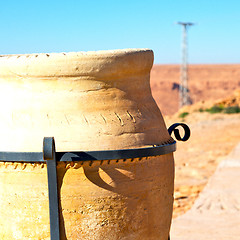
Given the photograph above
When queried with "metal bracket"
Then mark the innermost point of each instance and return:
(174, 129)
(50, 156)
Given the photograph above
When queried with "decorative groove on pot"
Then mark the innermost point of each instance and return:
(67, 165)
(22, 166)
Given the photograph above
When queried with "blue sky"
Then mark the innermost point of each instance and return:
(76, 25)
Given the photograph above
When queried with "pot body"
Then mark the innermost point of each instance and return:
(87, 101)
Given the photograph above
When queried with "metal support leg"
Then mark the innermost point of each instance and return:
(50, 156)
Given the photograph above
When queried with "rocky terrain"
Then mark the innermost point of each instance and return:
(213, 134)
(206, 82)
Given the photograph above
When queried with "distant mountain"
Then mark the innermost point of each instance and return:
(206, 82)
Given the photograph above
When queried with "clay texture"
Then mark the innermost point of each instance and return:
(87, 101)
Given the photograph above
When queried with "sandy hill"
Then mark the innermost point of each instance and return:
(206, 82)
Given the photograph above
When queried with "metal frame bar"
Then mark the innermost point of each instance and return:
(49, 154)
(89, 155)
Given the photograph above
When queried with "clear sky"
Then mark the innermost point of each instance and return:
(36, 26)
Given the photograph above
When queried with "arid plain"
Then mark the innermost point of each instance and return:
(213, 135)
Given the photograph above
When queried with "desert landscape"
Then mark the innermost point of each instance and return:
(206, 83)
(213, 135)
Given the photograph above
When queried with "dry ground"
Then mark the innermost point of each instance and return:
(213, 136)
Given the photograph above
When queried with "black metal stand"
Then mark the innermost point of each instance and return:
(49, 154)
(51, 157)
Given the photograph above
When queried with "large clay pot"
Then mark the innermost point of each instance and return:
(87, 101)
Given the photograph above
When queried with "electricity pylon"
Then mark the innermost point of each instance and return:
(184, 98)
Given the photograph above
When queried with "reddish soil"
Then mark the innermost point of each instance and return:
(206, 82)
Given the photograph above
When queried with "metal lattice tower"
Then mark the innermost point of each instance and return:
(184, 98)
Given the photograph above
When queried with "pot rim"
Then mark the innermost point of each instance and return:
(96, 64)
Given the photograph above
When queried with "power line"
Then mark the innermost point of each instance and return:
(184, 98)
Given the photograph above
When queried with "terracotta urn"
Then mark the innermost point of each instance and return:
(87, 101)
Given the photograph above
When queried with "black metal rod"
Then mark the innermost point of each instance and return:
(117, 154)
(50, 156)
(89, 155)
(21, 157)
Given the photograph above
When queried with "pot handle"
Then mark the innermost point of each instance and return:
(174, 129)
